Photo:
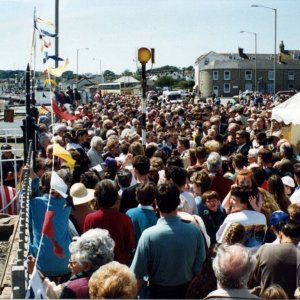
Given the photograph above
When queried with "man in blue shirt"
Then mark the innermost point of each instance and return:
(171, 253)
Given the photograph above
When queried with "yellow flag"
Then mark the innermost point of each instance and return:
(50, 81)
(45, 22)
(57, 72)
(61, 152)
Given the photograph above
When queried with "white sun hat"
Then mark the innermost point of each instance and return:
(80, 194)
(288, 180)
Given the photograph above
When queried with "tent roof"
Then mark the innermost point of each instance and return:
(288, 111)
(127, 79)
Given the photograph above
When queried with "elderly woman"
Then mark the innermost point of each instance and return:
(95, 153)
(92, 250)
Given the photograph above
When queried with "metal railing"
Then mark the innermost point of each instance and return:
(19, 274)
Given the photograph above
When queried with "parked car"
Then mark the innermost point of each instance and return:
(243, 95)
(286, 94)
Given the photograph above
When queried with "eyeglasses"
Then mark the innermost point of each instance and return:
(211, 200)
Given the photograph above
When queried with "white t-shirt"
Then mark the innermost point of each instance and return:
(295, 197)
(244, 217)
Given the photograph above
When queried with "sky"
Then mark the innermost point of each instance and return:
(113, 30)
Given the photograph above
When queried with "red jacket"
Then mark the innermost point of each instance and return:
(120, 229)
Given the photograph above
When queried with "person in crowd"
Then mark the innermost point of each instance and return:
(168, 144)
(95, 152)
(266, 203)
(232, 265)
(113, 281)
(274, 260)
(9, 202)
(112, 148)
(108, 217)
(242, 212)
(278, 219)
(183, 146)
(201, 183)
(289, 185)
(90, 251)
(235, 234)
(179, 177)
(252, 158)
(141, 167)
(219, 184)
(152, 258)
(144, 215)
(274, 291)
(276, 188)
(242, 138)
(81, 197)
(123, 179)
(46, 212)
(295, 197)
(213, 216)
(11, 166)
(265, 160)
(90, 178)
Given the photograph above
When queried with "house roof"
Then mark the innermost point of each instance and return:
(250, 64)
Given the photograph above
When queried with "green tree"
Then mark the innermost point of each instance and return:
(109, 75)
(184, 84)
(126, 73)
(68, 75)
(165, 81)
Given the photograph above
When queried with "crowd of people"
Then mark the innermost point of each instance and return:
(208, 207)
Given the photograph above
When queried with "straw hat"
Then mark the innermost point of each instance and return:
(81, 194)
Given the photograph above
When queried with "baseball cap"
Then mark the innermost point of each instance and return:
(277, 217)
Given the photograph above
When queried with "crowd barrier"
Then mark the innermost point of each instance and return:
(19, 274)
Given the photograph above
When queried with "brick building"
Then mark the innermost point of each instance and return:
(225, 74)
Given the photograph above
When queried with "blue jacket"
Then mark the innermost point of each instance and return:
(48, 262)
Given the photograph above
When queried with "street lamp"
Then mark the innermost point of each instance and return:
(275, 13)
(255, 36)
(77, 64)
(144, 55)
(100, 69)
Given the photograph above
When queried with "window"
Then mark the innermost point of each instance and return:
(291, 75)
(270, 88)
(271, 75)
(216, 90)
(226, 75)
(248, 75)
(206, 61)
(248, 86)
(215, 75)
(291, 86)
(226, 87)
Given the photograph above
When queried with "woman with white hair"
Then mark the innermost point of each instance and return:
(89, 252)
(95, 153)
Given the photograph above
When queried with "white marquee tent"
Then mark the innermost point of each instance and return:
(288, 111)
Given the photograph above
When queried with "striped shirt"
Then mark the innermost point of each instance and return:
(9, 203)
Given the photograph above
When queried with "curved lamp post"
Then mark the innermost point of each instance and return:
(275, 13)
(255, 72)
(77, 63)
